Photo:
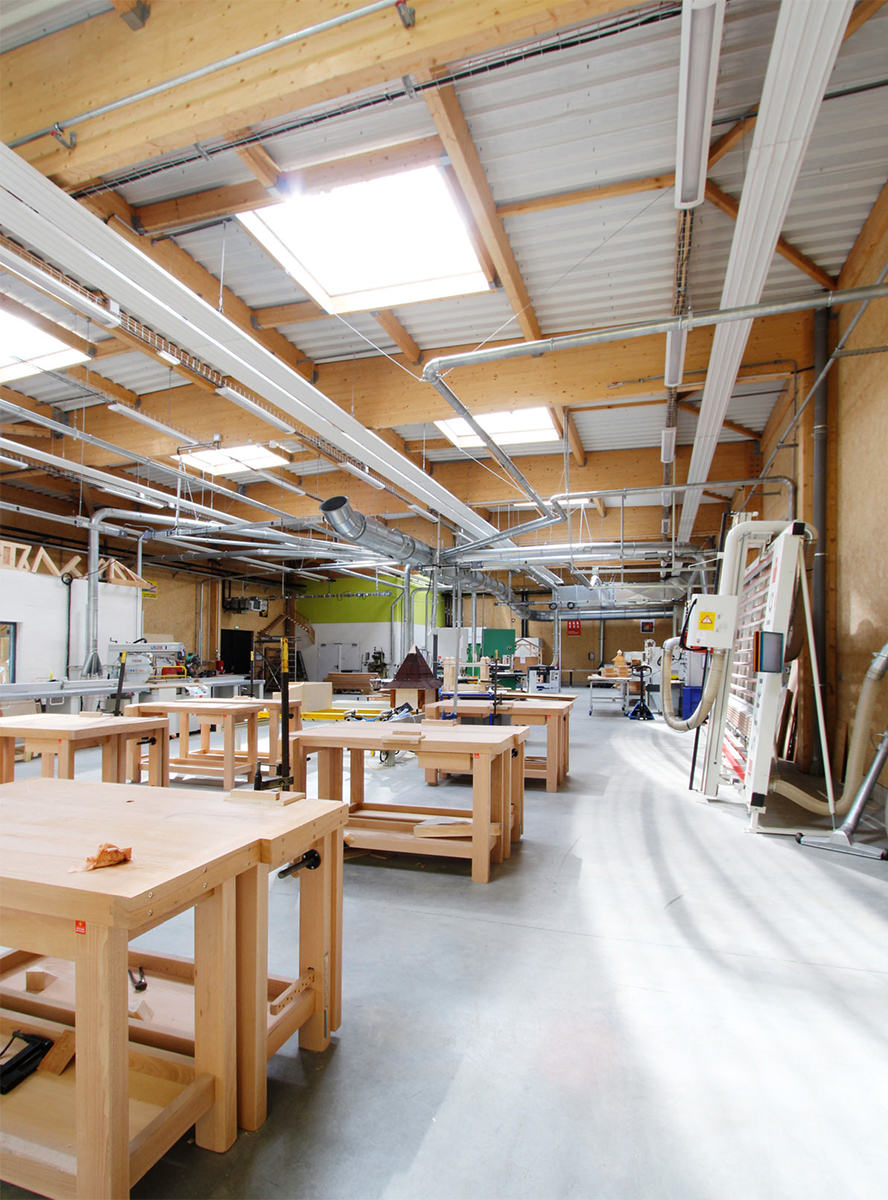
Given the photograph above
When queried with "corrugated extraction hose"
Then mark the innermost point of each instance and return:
(713, 684)
(857, 751)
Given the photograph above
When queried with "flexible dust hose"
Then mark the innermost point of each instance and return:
(713, 684)
(856, 752)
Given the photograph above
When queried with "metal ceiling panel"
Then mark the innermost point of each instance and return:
(356, 335)
(23, 21)
(228, 251)
(460, 320)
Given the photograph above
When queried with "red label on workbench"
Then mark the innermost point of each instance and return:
(80, 926)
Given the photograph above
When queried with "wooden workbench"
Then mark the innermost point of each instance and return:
(229, 762)
(618, 692)
(535, 710)
(58, 736)
(188, 851)
(493, 756)
(352, 681)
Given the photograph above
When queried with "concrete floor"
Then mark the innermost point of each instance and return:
(645, 1002)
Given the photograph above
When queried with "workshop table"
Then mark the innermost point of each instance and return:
(58, 736)
(535, 710)
(229, 762)
(618, 692)
(189, 851)
(493, 756)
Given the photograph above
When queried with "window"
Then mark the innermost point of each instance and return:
(514, 428)
(233, 461)
(374, 244)
(26, 350)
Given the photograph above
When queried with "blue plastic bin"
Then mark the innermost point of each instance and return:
(690, 698)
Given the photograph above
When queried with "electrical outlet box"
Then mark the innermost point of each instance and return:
(711, 622)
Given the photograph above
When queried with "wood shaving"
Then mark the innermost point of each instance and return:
(107, 855)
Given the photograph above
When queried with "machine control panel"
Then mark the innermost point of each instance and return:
(711, 622)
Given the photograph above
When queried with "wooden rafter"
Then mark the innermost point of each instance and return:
(214, 203)
(561, 420)
(734, 426)
(600, 506)
(399, 335)
(626, 187)
(15, 309)
(729, 140)
(105, 387)
(276, 315)
(727, 204)
(453, 128)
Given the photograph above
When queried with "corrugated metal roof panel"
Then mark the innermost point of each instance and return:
(460, 321)
(247, 269)
(356, 335)
(23, 21)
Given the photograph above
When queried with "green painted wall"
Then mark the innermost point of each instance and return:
(361, 610)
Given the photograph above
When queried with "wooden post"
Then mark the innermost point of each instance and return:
(252, 988)
(481, 795)
(215, 1013)
(320, 940)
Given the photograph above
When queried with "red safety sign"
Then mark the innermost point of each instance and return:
(574, 627)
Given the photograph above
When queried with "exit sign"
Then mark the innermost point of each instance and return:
(574, 627)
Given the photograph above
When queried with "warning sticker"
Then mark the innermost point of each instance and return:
(706, 621)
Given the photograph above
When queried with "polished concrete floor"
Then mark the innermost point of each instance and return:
(645, 1002)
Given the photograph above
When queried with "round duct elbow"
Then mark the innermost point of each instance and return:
(372, 535)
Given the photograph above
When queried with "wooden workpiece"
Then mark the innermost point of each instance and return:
(492, 755)
(229, 762)
(189, 850)
(535, 710)
(57, 736)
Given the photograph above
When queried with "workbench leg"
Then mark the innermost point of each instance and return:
(320, 940)
(252, 996)
(274, 738)
(183, 734)
(330, 773)
(134, 762)
(518, 792)
(431, 776)
(227, 751)
(47, 762)
(253, 741)
(565, 745)
(66, 759)
(205, 736)
(157, 777)
(299, 766)
(215, 1013)
(7, 759)
(111, 760)
(497, 806)
(163, 737)
(102, 1077)
(481, 781)
(356, 779)
(553, 753)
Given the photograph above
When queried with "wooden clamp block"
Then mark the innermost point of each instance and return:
(275, 796)
(37, 981)
(56, 1059)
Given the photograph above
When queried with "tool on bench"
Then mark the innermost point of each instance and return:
(139, 982)
(26, 1060)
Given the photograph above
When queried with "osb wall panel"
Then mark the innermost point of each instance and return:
(862, 499)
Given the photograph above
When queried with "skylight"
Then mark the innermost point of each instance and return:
(233, 461)
(517, 427)
(374, 244)
(25, 350)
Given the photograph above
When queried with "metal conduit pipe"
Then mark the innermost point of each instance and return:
(222, 64)
(818, 580)
(93, 664)
(599, 614)
(90, 439)
(560, 552)
(672, 488)
(516, 531)
(572, 341)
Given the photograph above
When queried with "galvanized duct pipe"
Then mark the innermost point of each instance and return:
(600, 614)
(818, 581)
(673, 488)
(560, 552)
(373, 535)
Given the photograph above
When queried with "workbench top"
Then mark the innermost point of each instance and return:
(387, 735)
(538, 705)
(72, 725)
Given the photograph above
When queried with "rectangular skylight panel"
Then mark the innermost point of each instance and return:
(26, 350)
(374, 244)
(516, 427)
(233, 461)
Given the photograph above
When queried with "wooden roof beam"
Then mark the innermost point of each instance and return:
(608, 191)
(271, 184)
(561, 420)
(276, 315)
(453, 128)
(791, 253)
(399, 335)
(45, 325)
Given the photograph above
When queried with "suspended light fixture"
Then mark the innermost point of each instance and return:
(701, 31)
(667, 444)
(676, 345)
(251, 406)
(136, 414)
(364, 476)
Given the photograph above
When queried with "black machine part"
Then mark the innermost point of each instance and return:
(24, 1061)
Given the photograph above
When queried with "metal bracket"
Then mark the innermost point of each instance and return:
(310, 860)
(69, 141)
(406, 13)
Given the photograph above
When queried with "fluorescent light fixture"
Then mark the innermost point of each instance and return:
(167, 357)
(667, 444)
(423, 512)
(364, 476)
(676, 345)
(13, 462)
(135, 497)
(233, 461)
(701, 31)
(136, 414)
(281, 483)
(520, 426)
(46, 282)
(373, 244)
(252, 407)
(26, 350)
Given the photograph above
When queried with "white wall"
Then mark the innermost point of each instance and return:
(368, 637)
(38, 606)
